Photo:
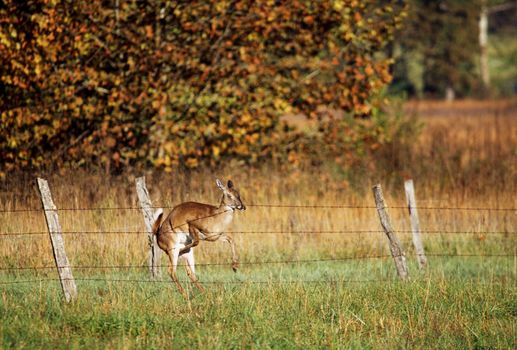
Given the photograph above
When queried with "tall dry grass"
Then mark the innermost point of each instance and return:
(465, 146)
(459, 160)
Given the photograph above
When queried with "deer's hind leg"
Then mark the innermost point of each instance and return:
(194, 233)
(190, 267)
(173, 255)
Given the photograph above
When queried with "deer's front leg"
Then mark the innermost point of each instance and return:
(235, 258)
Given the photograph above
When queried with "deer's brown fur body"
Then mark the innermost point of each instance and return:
(191, 222)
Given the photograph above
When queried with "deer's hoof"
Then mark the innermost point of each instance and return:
(235, 265)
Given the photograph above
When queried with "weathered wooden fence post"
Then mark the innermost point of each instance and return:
(397, 252)
(149, 218)
(415, 224)
(58, 246)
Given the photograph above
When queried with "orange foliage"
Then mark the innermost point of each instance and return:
(179, 83)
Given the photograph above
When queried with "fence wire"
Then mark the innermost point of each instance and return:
(201, 282)
(39, 233)
(267, 262)
(263, 262)
(405, 207)
(246, 282)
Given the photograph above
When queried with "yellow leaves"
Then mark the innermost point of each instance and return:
(192, 162)
(271, 16)
(156, 104)
(349, 36)
(170, 147)
(362, 109)
(7, 80)
(242, 149)
(265, 122)
(88, 109)
(131, 62)
(78, 101)
(220, 6)
(4, 39)
(12, 143)
(338, 5)
(246, 118)
(237, 133)
(42, 41)
(253, 37)
(252, 139)
(282, 105)
(81, 45)
(243, 53)
(216, 151)
(37, 70)
(56, 124)
(20, 66)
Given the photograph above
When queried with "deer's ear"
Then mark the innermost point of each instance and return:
(219, 184)
(230, 184)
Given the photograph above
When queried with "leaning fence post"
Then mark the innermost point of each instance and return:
(395, 247)
(415, 224)
(149, 218)
(58, 246)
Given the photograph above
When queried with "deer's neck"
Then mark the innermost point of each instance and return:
(224, 208)
(224, 216)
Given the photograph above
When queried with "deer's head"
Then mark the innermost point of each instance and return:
(231, 197)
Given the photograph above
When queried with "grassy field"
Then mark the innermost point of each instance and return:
(433, 313)
(309, 277)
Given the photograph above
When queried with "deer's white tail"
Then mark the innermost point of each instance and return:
(157, 224)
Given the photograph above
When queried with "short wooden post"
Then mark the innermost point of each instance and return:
(58, 246)
(397, 252)
(149, 217)
(415, 224)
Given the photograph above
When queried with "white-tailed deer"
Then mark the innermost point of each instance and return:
(191, 222)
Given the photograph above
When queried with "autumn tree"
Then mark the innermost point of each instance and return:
(180, 83)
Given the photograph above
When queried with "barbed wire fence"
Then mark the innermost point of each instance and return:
(65, 280)
(140, 232)
(488, 209)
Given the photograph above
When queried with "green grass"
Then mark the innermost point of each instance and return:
(459, 303)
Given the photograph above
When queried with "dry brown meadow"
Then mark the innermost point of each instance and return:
(465, 156)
